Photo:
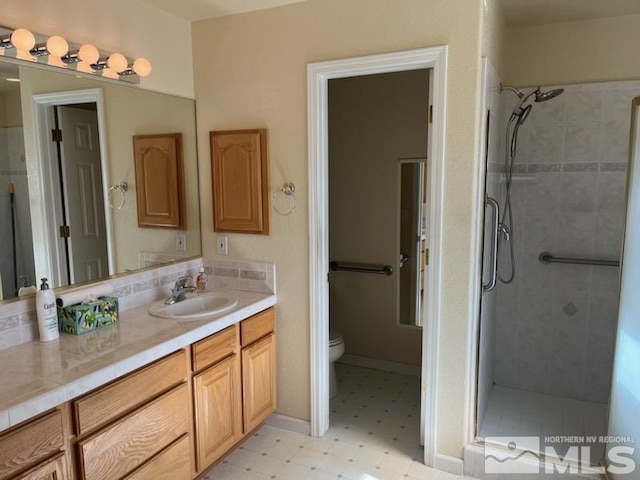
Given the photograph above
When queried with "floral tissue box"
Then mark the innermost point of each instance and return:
(85, 317)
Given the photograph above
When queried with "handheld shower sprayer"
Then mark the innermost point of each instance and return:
(518, 116)
(522, 111)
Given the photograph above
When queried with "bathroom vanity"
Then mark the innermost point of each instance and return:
(149, 398)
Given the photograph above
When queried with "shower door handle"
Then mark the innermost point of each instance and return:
(487, 287)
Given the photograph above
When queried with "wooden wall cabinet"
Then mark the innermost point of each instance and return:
(240, 173)
(160, 181)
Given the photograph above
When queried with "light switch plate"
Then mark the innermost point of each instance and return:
(222, 245)
(181, 242)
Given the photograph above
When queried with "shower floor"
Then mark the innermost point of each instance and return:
(518, 413)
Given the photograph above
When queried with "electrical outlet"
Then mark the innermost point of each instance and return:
(181, 242)
(223, 247)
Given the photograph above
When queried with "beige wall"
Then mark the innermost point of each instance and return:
(128, 111)
(251, 72)
(573, 52)
(374, 121)
(127, 26)
(494, 35)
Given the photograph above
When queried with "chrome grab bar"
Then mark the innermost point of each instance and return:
(547, 257)
(361, 268)
(487, 287)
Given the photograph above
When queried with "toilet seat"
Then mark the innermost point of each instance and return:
(335, 338)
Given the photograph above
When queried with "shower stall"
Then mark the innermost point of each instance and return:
(557, 170)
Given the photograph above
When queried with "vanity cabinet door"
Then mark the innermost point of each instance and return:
(218, 402)
(259, 381)
(240, 181)
(54, 469)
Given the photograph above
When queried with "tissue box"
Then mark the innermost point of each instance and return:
(85, 317)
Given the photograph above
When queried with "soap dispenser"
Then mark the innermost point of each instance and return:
(26, 288)
(201, 280)
(46, 312)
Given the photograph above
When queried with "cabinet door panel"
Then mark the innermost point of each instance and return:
(218, 410)
(54, 469)
(159, 180)
(240, 181)
(118, 449)
(259, 381)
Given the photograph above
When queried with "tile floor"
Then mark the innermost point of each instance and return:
(374, 435)
(514, 412)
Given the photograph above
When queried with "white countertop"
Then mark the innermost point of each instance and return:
(37, 376)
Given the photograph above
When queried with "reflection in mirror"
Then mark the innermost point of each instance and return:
(48, 184)
(412, 256)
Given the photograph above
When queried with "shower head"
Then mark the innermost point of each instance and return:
(544, 96)
(522, 113)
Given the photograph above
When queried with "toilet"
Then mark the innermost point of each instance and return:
(336, 349)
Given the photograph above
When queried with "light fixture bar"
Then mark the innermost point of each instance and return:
(22, 45)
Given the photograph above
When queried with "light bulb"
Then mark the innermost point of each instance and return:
(117, 62)
(142, 67)
(57, 46)
(88, 53)
(23, 39)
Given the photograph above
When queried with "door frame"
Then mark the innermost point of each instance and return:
(318, 76)
(46, 218)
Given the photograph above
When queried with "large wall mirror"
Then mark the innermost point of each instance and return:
(64, 211)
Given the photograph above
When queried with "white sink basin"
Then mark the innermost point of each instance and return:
(196, 307)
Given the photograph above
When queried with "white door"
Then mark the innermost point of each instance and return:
(83, 193)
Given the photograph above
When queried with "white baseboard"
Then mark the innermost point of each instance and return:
(377, 364)
(449, 464)
(289, 423)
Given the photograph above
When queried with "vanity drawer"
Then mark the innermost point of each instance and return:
(29, 444)
(256, 327)
(122, 447)
(173, 463)
(109, 402)
(214, 348)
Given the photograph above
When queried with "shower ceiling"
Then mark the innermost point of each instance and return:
(525, 13)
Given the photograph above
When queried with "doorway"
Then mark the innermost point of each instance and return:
(73, 178)
(319, 75)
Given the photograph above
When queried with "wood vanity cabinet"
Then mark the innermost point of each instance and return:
(234, 385)
(169, 420)
(217, 394)
(34, 450)
(240, 172)
(258, 368)
(138, 425)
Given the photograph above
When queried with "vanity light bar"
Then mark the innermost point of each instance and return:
(56, 51)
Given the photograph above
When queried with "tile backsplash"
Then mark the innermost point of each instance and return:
(18, 319)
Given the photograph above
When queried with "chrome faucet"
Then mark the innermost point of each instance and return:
(180, 289)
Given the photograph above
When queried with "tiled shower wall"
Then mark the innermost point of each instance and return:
(556, 322)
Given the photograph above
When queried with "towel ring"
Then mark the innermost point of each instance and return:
(284, 200)
(121, 187)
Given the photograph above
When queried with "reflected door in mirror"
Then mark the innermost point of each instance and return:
(82, 188)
